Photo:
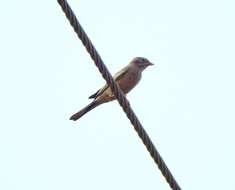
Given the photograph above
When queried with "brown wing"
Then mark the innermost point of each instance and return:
(94, 95)
(116, 77)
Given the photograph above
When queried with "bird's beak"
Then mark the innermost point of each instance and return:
(149, 63)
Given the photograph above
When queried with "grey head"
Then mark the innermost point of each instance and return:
(141, 62)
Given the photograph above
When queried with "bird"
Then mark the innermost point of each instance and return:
(127, 78)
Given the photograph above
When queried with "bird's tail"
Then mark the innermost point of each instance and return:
(88, 108)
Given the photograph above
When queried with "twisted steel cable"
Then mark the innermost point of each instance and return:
(118, 94)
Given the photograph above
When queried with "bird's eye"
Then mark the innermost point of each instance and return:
(144, 60)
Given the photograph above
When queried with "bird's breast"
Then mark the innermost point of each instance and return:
(129, 81)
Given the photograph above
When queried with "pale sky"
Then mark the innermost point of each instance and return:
(186, 102)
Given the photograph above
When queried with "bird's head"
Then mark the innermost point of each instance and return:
(141, 62)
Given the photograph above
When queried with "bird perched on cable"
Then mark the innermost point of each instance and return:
(127, 78)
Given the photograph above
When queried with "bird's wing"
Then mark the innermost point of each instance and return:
(94, 95)
(116, 77)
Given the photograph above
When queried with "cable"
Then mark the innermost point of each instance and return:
(118, 94)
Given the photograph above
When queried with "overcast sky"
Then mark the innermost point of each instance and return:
(186, 102)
